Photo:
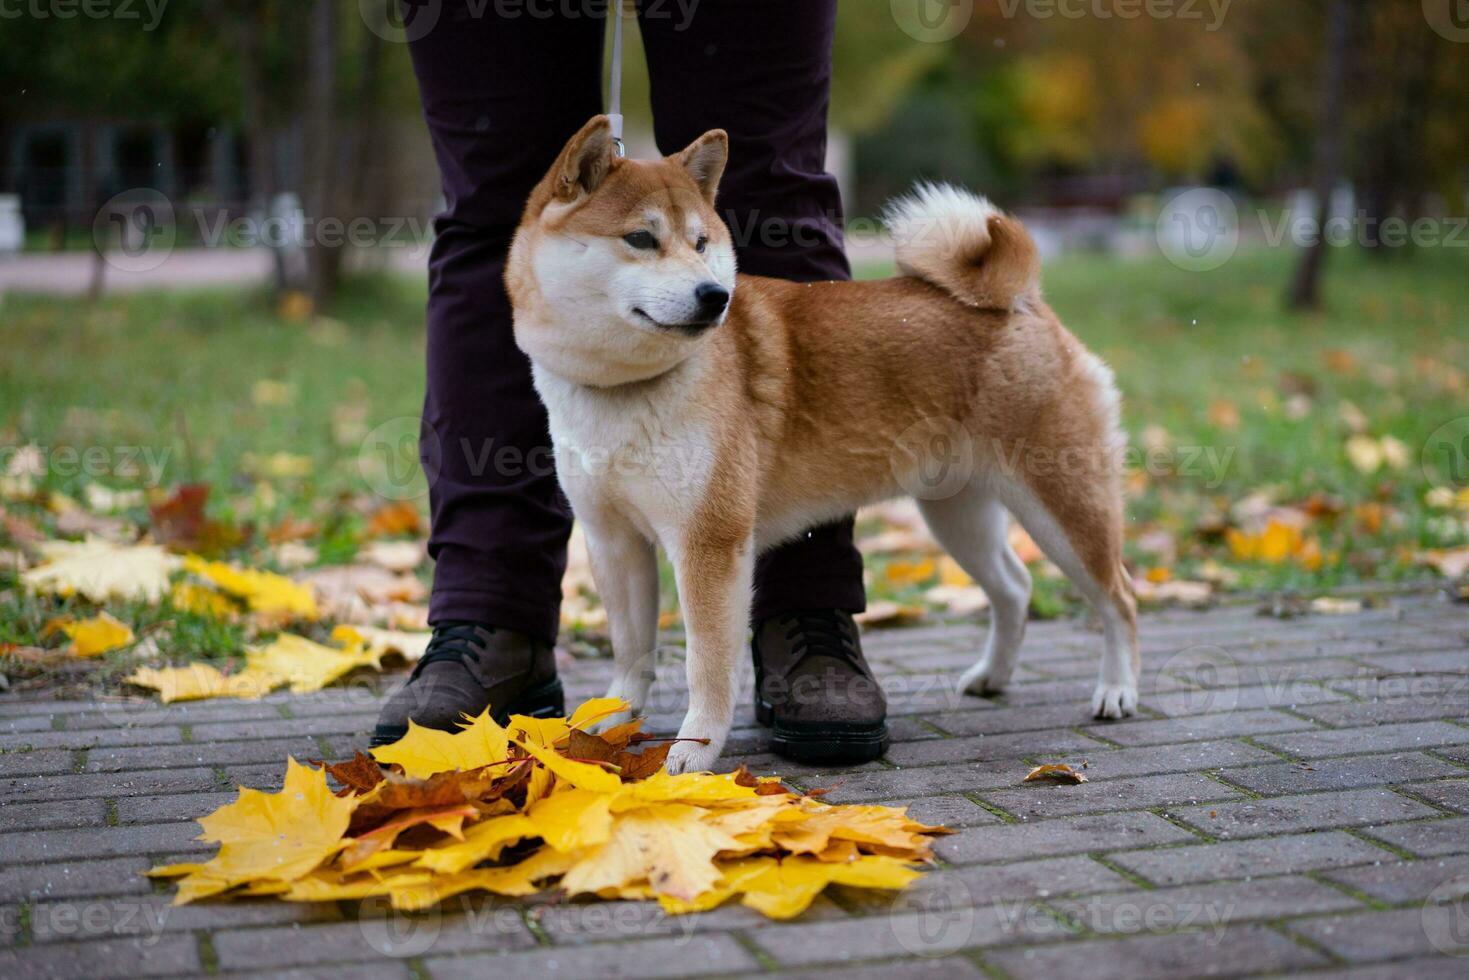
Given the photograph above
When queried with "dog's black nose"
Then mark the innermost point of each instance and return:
(712, 299)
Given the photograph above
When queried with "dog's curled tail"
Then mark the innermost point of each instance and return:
(966, 246)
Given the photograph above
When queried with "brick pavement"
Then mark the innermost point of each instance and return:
(1294, 796)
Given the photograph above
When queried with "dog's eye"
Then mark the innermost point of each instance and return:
(702, 243)
(641, 239)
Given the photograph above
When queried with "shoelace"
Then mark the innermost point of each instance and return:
(822, 632)
(451, 642)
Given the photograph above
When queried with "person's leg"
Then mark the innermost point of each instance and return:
(502, 90)
(761, 69)
(501, 95)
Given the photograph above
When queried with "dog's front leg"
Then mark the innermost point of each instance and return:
(625, 568)
(714, 582)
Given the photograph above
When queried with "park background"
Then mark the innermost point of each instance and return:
(1297, 403)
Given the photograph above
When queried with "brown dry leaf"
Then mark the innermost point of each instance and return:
(395, 556)
(1450, 563)
(396, 518)
(362, 593)
(357, 775)
(178, 522)
(1058, 772)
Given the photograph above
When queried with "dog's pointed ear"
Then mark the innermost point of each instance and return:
(585, 161)
(704, 159)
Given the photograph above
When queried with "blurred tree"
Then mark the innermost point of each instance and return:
(1343, 27)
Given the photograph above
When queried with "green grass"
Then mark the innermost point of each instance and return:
(175, 380)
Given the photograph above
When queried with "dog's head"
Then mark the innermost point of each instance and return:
(621, 268)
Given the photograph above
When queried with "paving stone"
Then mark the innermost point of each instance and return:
(1354, 714)
(1250, 858)
(1313, 811)
(16, 760)
(931, 969)
(984, 748)
(1206, 908)
(47, 816)
(149, 916)
(65, 845)
(1073, 835)
(948, 811)
(384, 970)
(1430, 838)
(32, 723)
(1374, 935)
(972, 885)
(1154, 759)
(197, 754)
(1039, 800)
(598, 922)
(1378, 738)
(1195, 728)
(1247, 698)
(75, 879)
(371, 937)
(125, 958)
(94, 737)
(115, 784)
(940, 931)
(1438, 968)
(1239, 950)
(1451, 794)
(171, 807)
(1002, 721)
(353, 724)
(1342, 773)
(661, 957)
(1403, 881)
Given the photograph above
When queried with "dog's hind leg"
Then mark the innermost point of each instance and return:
(715, 575)
(973, 527)
(1078, 524)
(625, 568)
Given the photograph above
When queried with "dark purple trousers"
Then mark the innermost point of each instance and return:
(504, 85)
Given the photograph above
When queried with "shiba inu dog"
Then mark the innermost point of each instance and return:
(718, 414)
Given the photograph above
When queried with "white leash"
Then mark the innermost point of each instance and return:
(614, 85)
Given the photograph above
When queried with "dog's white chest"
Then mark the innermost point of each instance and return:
(644, 454)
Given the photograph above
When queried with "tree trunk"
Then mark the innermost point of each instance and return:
(255, 101)
(1305, 290)
(320, 198)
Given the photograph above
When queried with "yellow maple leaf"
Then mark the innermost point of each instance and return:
(426, 751)
(583, 775)
(203, 601)
(304, 665)
(572, 819)
(783, 889)
(100, 570)
(92, 637)
(482, 842)
(262, 592)
(910, 572)
(669, 846)
(274, 836)
(197, 681)
(381, 642)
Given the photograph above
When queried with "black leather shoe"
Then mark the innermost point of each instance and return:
(468, 667)
(814, 690)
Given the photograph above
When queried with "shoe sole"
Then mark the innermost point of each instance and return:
(545, 701)
(847, 745)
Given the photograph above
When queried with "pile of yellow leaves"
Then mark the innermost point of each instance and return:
(542, 805)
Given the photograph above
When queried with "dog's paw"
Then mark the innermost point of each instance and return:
(691, 757)
(1114, 700)
(983, 680)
